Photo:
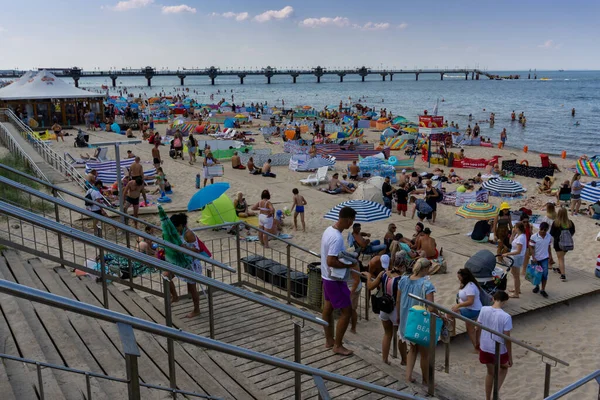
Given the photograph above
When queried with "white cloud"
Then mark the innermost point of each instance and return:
(403, 25)
(284, 13)
(130, 5)
(549, 44)
(2, 29)
(374, 26)
(182, 8)
(237, 16)
(339, 22)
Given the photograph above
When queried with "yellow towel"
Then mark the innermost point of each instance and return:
(251, 220)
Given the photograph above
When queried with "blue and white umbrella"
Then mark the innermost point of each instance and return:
(371, 162)
(591, 192)
(503, 186)
(316, 163)
(366, 211)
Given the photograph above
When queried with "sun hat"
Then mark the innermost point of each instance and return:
(504, 206)
(385, 261)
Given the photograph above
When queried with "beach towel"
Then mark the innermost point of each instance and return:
(253, 220)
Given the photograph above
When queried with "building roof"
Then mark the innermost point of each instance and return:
(43, 85)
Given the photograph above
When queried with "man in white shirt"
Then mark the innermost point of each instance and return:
(539, 245)
(497, 319)
(335, 288)
(94, 194)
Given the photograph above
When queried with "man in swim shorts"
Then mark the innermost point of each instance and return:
(335, 288)
(136, 170)
(298, 207)
(132, 193)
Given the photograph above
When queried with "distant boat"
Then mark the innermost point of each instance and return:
(561, 70)
(545, 79)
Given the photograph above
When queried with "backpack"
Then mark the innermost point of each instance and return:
(565, 241)
(387, 301)
(440, 196)
(88, 196)
(425, 208)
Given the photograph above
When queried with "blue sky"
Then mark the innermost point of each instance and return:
(497, 35)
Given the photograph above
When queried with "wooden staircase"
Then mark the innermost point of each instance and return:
(42, 333)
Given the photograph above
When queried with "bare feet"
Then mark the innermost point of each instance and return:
(193, 314)
(513, 296)
(403, 362)
(388, 362)
(513, 290)
(411, 379)
(329, 345)
(174, 299)
(352, 330)
(342, 351)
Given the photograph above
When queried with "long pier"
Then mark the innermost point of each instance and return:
(213, 72)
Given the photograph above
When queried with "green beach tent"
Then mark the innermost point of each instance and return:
(219, 211)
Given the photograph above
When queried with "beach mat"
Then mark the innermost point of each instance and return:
(253, 221)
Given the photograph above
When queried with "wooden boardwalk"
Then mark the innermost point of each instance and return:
(42, 333)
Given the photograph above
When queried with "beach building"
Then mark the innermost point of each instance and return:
(42, 96)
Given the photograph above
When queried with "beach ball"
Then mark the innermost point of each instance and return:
(199, 128)
(115, 128)
(287, 211)
(392, 160)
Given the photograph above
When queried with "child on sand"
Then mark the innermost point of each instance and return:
(298, 207)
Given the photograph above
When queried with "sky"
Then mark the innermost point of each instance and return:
(495, 35)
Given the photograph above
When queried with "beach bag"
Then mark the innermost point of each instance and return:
(417, 324)
(375, 301)
(440, 196)
(565, 241)
(177, 143)
(534, 273)
(386, 300)
(88, 196)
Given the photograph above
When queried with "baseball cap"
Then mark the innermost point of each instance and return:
(385, 261)
(403, 171)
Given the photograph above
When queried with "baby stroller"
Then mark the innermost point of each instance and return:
(488, 271)
(81, 140)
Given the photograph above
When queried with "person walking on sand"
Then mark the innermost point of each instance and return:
(335, 290)
(502, 227)
(562, 230)
(265, 216)
(423, 210)
(192, 145)
(576, 189)
(355, 286)
(387, 280)
(156, 160)
(418, 284)
(298, 206)
(541, 253)
(57, 129)
(132, 193)
(494, 317)
(519, 248)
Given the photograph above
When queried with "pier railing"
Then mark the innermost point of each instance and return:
(547, 359)
(126, 325)
(15, 148)
(576, 385)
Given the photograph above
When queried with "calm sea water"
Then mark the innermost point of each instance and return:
(546, 103)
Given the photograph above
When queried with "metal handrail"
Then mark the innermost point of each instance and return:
(496, 387)
(56, 188)
(46, 150)
(482, 327)
(52, 300)
(153, 262)
(90, 374)
(115, 224)
(576, 385)
(23, 153)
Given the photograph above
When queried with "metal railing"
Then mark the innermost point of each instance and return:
(55, 160)
(576, 385)
(127, 323)
(15, 148)
(88, 375)
(433, 342)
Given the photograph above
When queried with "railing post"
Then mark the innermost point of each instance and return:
(496, 372)
(289, 273)
(102, 270)
(447, 357)
(321, 388)
(38, 367)
(132, 352)
(57, 217)
(432, 343)
(211, 312)
(238, 251)
(88, 386)
(129, 263)
(297, 359)
(547, 381)
(367, 298)
(169, 322)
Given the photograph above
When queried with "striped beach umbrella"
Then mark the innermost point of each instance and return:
(481, 211)
(591, 192)
(503, 186)
(366, 211)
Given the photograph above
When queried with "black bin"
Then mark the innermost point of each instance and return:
(277, 275)
(299, 283)
(262, 268)
(250, 264)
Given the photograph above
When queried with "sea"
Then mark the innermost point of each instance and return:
(546, 101)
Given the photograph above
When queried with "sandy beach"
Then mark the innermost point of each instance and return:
(549, 329)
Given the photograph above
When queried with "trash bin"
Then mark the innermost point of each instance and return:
(250, 264)
(315, 285)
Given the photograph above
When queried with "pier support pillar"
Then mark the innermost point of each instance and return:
(181, 78)
(466, 76)
(294, 78)
(149, 82)
(391, 77)
(383, 75)
(477, 77)
(268, 80)
(318, 79)
(76, 82)
(416, 76)
(473, 75)
(212, 80)
(241, 76)
(114, 81)
(341, 78)
(441, 76)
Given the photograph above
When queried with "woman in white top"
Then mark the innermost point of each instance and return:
(209, 161)
(519, 247)
(468, 301)
(265, 216)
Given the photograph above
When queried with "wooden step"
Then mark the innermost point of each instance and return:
(88, 291)
(61, 343)
(22, 321)
(12, 373)
(92, 345)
